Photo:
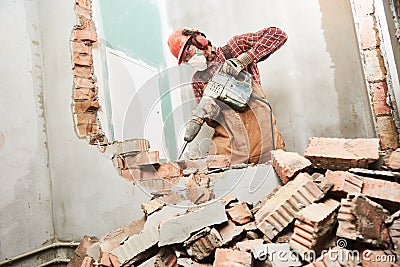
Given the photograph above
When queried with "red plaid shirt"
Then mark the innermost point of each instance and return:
(259, 45)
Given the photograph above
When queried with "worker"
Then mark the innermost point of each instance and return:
(246, 136)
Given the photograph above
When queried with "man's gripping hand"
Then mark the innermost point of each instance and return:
(234, 66)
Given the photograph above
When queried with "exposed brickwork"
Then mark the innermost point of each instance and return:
(288, 164)
(80, 251)
(204, 243)
(342, 154)
(363, 220)
(375, 72)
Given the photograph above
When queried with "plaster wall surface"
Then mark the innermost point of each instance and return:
(315, 81)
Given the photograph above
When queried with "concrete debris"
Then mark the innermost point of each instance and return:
(342, 154)
(240, 213)
(394, 160)
(288, 164)
(281, 209)
(313, 226)
(363, 220)
(337, 194)
(229, 257)
(178, 229)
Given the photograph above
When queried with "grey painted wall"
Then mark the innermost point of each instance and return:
(315, 81)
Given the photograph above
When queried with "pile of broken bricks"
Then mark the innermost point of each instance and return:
(338, 205)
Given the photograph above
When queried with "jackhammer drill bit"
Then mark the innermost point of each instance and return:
(183, 149)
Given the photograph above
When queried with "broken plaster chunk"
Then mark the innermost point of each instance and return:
(128, 146)
(288, 164)
(230, 231)
(363, 220)
(178, 229)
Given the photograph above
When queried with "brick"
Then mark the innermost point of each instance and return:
(203, 244)
(198, 164)
(218, 161)
(228, 257)
(152, 206)
(105, 259)
(81, 82)
(87, 129)
(137, 247)
(387, 132)
(80, 251)
(379, 95)
(381, 189)
(394, 229)
(128, 174)
(113, 239)
(82, 71)
(383, 258)
(178, 229)
(368, 32)
(169, 169)
(84, 3)
(141, 158)
(247, 245)
(281, 209)
(385, 175)
(81, 47)
(230, 232)
(313, 226)
(240, 213)
(344, 182)
(288, 164)
(85, 35)
(374, 66)
(87, 262)
(364, 7)
(363, 220)
(322, 182)
(342, 154)
(86, 118)
(114, 261)
(229, 199)
(394, 160)
(84, 94)
(342, 256)
(165, 258)
(83, 59)
(86, 106)
(83, 12)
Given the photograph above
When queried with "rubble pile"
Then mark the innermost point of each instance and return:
(338, 205)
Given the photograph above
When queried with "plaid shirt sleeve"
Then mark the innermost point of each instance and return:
(260, 45)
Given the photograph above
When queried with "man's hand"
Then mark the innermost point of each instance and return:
(234, 66)
(192, 129)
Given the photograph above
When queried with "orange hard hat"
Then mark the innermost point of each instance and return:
(182, 37)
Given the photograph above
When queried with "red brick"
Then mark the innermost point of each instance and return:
(105, 259)
(281, 209)
(379, 95)
(198, 194)
(128, 174)
(344, 182)
(228, 257)
(387, 132)
(83, 59)
(141, 158)
(381, 189)
(381, 258)
(375, 70)
(83, 82)
(288, 164)
(80, 251)
(247, 245)
(86, 129)
(86, 118)
(114, 261)
(82, 71)
(83, 12)
(85, 106)
(169, 169)
(229, 199)
(394, 160)
(363, 220)
(314, 225)
(368, 32)
(82, 47)
(342, 257)
(84, 3)
(342, 154)
(84, 94)
(218, 161)
(364, 7)
(203, 244)
(240, 213)
(84, 23)
(85, 35)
